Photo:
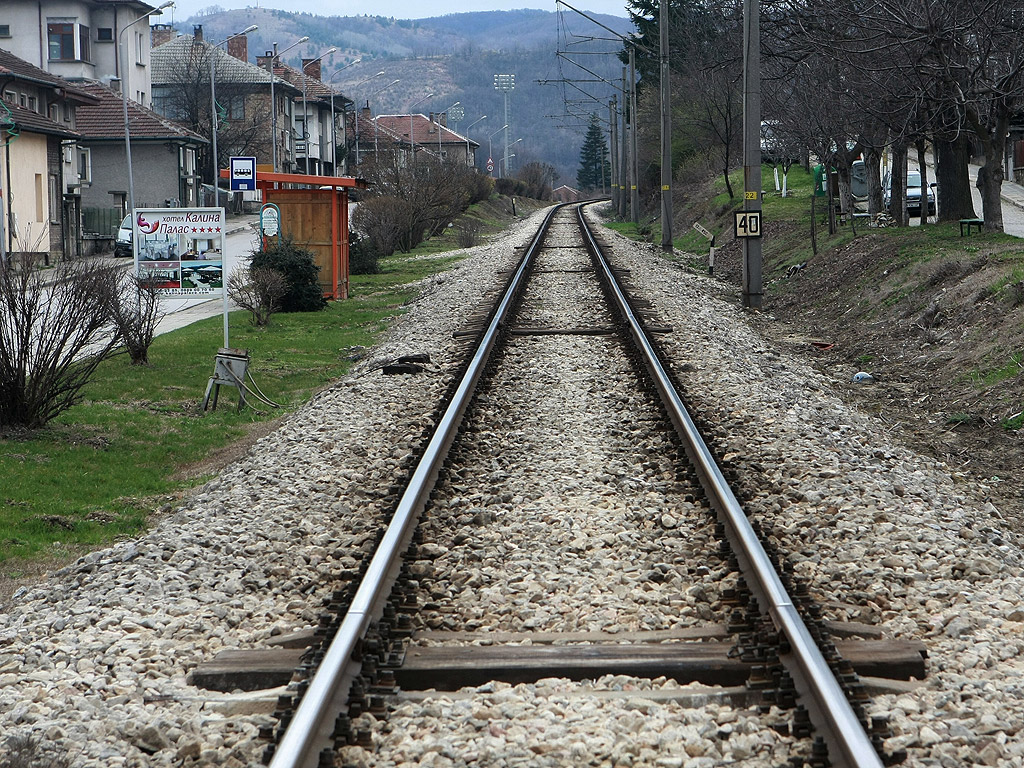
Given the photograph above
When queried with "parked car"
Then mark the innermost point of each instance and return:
(123, 242)
(913, 193)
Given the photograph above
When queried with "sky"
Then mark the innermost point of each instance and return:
(399, 9)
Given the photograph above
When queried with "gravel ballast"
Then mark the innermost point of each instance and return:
(94, 660)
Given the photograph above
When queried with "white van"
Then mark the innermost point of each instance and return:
(123, 242)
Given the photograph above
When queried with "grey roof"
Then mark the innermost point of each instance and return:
(166, 58)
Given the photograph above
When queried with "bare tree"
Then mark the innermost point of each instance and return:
(258, 290)
(244, 116)
(136, 314)
(54, 332)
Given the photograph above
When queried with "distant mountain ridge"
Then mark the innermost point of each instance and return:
(453, 57)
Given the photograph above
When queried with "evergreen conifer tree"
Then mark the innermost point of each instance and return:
(594, 171)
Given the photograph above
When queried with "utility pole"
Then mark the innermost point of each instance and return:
(625, 174)
(614, 153)
(753, 290)
(634, 193)
(666, 131)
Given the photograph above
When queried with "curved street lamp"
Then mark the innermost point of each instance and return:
(355, 114)
(375, 129)
(273, 104)
(124, 101)
(490, 154)
(213, 108)
(334, 121)
(412, 140)
(443, 112)
(305, 116)
(482, 117)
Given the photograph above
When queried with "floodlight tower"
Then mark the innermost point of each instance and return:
(506, 84)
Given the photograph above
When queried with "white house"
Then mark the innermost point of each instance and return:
(78, 39)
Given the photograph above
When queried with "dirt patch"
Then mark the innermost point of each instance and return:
(942, 335)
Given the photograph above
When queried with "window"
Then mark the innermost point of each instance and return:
(83, 42)
(39, 197)
(54, 199)
(5, 30)
(104, 35)
(67, 112)
(10, 97)
(61, 40)
(236, 106)
(52, 112)
(84, 166)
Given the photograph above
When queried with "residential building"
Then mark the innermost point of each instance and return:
(430, 134)
(368, 140)
(182, 70)
(165, 156)
(78, 39)
(318, 122)
(42, 164)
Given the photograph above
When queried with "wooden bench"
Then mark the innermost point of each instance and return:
(968, 223)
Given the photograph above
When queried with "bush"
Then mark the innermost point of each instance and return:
(259, 290)
(362, 258)
(52, 337)
(300, 272)
(467, 233)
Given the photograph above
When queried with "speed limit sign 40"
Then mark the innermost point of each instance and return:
(748, 223)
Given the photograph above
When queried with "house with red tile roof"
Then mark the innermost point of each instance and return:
(165, 155)
(181, 92)
(318, 116)
(42, 164)
(420, 133)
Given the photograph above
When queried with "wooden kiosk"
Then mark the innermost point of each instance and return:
(314, 213)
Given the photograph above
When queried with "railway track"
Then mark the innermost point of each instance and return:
(549, 551)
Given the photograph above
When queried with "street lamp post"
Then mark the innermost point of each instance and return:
(412, 139)
(375, 131)
(305, 115)
(443, 112)
(490, 154)
(124, 102)
(482, 117)
(508, 156)
(355, 114)
(213, 108)
(273, 103)
(334, 122)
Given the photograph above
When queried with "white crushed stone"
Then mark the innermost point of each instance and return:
(94, 661)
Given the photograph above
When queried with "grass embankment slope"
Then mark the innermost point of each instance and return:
(139, 438)
(937, 318)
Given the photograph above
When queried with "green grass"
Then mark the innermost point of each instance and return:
(1013, 367)
(98, 471)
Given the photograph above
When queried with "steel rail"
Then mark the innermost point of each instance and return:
(309, 731)
(831, 713)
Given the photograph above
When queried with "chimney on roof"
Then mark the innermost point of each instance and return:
(197, 33)
(312, 68)
(263, 62)
(365, 112)
(432, 128)
(238, 47)
(160, 34)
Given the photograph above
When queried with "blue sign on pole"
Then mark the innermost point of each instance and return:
(243, 174)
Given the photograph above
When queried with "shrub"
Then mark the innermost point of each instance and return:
(135, 310)
(467, 233)
(300, 271)
(362, 258)
(52, 337)
(259, 290)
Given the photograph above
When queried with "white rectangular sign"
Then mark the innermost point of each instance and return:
(181, 249)
(748, 223)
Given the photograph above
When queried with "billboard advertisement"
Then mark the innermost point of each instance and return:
(181, 250)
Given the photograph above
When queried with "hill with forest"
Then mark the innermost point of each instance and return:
(455, 57)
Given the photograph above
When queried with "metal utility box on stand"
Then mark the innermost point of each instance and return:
(229, 369)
